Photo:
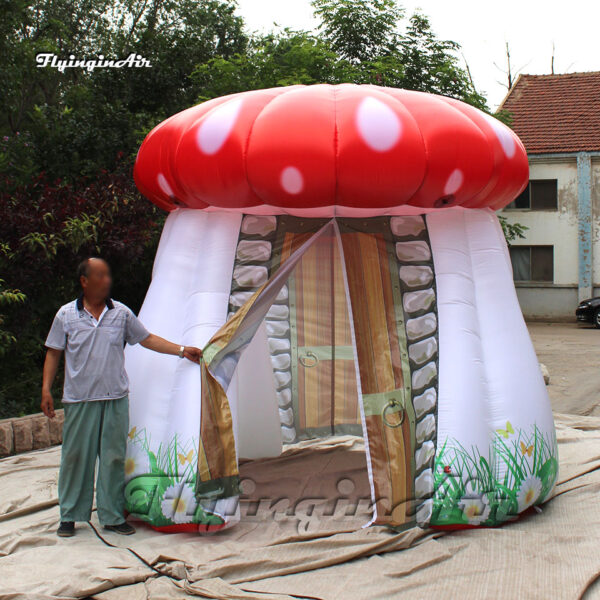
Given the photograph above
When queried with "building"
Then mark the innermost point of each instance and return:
(558, 119)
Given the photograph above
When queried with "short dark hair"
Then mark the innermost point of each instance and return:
(84, 266)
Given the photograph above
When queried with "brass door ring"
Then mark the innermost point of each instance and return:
(392, 404)
(310, 363)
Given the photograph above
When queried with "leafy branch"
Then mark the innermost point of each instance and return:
(8, 297)
(512, 231)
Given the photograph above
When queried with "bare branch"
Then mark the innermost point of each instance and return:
(468, 71)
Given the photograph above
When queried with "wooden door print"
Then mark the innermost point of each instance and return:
(391, 285)
(324, 393)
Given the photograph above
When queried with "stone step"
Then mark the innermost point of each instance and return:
(422, 326)
(425, 402)
(423, 377)
(277, 345)
(281, 362)
(425, 429)
(423, 351)
(250, 275)
(284, 397)
(424, 455)
(405, 226)
(286, 416)
(277, 329)
(253, 250)
(416, 276)
(424, 484)
(419, 301)
(258, 225)
(288, 434)
(413, 251)
(424, 512)
(282, 379)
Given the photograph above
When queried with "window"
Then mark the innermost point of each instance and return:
(540, 194)
(532, 263)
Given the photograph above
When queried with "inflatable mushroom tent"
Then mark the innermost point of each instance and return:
(334, 250)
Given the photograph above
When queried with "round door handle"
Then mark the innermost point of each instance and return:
(312, 361)
(393, 403)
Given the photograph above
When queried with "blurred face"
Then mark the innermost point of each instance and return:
(98, 282)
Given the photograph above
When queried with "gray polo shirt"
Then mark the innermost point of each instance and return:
(94, 357)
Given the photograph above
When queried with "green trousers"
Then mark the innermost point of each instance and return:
(96, 429)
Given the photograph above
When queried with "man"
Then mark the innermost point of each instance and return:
(92, 332)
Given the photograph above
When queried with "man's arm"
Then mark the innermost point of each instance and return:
(50, 368)
(158, 344)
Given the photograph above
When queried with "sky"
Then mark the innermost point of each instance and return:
(482, 28)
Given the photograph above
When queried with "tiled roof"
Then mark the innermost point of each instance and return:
(556, 113)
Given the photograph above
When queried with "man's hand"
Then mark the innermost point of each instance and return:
(192, 353)
(158, 344)
(50, 367)
(47, 404)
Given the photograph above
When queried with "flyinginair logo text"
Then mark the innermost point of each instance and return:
(47, 59)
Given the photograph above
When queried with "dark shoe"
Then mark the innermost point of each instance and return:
(123, 528)
(66, 529)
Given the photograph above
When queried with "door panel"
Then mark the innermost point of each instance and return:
(324, 382)
(323, 374)
(383, 362)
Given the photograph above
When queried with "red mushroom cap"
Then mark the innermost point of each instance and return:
(301, 149)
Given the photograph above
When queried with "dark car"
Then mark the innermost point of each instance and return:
(589, 311)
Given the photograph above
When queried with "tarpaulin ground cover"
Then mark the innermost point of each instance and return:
(272, 555)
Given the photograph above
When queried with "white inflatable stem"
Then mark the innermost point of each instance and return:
(186, 303)
(488, 370)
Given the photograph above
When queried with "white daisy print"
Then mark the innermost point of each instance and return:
(136, 462)
(529, 491)
(179, 503)
(476, 509)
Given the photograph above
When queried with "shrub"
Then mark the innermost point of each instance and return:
(46, 228)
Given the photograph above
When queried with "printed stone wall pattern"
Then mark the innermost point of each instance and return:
(250, 271)
(417, 281)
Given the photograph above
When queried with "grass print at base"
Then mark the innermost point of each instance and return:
(469, 489)
(160, 486)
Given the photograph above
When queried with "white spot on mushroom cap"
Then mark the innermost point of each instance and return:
(454, 182)
(216, 127)
(163, 184)
(505, 136)
(378, 125)
(291, 180)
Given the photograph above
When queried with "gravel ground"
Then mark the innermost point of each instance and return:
(572, 354)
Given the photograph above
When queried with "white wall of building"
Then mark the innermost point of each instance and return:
(596, 224)
(559, 228)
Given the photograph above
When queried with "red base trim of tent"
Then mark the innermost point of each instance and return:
(183, 527)
(189, 528)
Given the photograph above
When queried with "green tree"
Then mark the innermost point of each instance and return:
(359, 30)
(79, 121)
(67, 140)
(7, 298)
(431, 64)
(368, 34)
(46, 228)
(273, 60)
(361, 43)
